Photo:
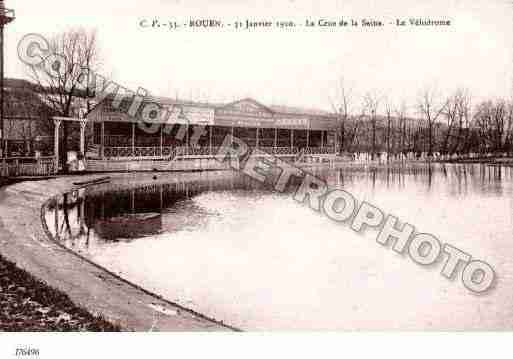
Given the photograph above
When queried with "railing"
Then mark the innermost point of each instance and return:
(27, 166)
(196, 151)
(117, 141)
(138, 152)
(125, 141)
(319, 150)
(171, 151)
(297, 150)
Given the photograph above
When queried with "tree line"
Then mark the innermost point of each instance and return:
(434, 126)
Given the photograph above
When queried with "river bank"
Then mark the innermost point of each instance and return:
(48, 278)
(28, 304)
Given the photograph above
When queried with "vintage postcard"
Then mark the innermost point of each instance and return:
(253, 166)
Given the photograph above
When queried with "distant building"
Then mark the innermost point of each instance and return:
(26, 118)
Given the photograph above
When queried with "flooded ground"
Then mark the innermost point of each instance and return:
(230, 248)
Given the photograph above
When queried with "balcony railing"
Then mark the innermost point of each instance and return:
(128, 152)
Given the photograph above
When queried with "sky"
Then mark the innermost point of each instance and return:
(301, 67)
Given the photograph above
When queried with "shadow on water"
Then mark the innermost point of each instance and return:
(126, 211)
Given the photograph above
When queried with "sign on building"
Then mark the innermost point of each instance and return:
(189, 114)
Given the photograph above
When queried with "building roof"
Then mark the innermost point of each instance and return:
(278, 109)
(300, 110)
(175, 101)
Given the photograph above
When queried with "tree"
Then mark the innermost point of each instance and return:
(342, 107)
(494, 122)
(463, 102)
(371, 102)
(400, 113)
(430, 110)
(60, 79)
(451, 114)
(389, 131)
(483, 123)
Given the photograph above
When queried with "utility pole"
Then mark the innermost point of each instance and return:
(6, 16)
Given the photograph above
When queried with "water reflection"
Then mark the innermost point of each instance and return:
(125, 211)
(128, 211)
(222, 244)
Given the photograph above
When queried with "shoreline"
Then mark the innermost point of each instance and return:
(102, 294)
(30, 255)
(490, 161)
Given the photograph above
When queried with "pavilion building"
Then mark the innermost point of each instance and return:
(115, 136)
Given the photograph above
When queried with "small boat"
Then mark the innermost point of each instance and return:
(93, 181)
(129, 226)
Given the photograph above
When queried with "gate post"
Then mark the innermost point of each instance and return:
(57, 125)
(83, 123)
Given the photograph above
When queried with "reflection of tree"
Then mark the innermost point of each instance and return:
(66, 213)
(430, 176)
(63, 230)
(444, 170)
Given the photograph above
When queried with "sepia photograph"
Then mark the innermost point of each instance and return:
(306, 172)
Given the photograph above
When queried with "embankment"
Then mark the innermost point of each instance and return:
(24, 241)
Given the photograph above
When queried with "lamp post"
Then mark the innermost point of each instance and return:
(6, 16)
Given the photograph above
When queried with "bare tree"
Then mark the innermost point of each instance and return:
(430, 111)
(484, 125)
(463, 102)
(389, 134)
(400, 113)
(352, 127)
(494, 122)
(371, 102)
(61, 78)
(356, 135)
(451, 113)
(508, 133)
(342, 107)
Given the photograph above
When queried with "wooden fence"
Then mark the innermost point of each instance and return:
(27, 166)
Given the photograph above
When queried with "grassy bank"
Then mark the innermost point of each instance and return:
(28, 304)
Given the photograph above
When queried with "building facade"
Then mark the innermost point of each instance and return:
(173, 129)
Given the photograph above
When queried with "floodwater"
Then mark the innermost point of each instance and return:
(233, 250)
